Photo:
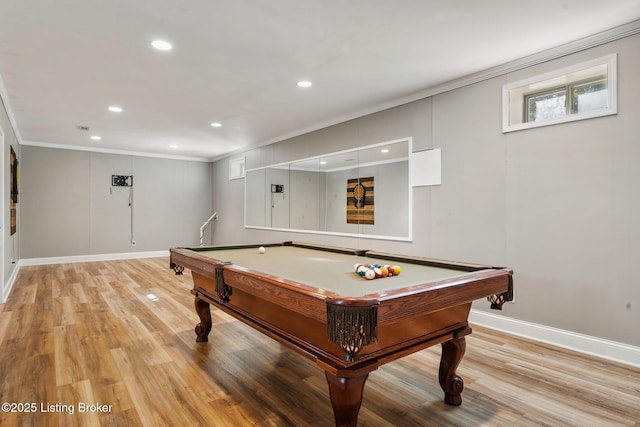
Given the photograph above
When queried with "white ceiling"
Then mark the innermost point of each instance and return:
(63, 62)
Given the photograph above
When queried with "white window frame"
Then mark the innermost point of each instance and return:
(514, 94)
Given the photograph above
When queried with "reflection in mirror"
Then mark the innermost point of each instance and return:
(307, 184)
(267, 197)
(363, 192)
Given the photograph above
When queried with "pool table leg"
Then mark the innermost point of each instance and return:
(451, 383)
(204, 313)
(346, 397)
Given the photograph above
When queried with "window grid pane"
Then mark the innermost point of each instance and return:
(545, 106)
(591, 96)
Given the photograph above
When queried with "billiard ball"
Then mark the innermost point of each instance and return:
(370, 274)
(261, 249)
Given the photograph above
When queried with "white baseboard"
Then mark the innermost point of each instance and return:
(605, 349)
(9, 284)
(72, 259)
(91, 258)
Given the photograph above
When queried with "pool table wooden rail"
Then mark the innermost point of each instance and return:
(424, 298)
(438, 295)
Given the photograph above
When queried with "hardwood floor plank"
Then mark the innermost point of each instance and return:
(138, 390)
(6, 323)
(64, 311)
(80, 397)
(92, 333)
(70, 366)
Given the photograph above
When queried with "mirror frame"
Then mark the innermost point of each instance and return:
(409, 157)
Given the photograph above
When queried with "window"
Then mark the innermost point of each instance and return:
(584, 91)
(236, 168)
(578, 98)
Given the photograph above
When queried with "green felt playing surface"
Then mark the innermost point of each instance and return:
(329, 271)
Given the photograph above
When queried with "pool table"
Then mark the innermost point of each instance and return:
(309, 298)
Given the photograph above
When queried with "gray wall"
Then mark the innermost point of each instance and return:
(558, 204)
(68, 206)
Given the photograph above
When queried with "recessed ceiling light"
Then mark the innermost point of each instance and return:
(96, 137)
(115, 109)
(216, 125)
(173, 146)
(384, 150)
(161, 45)
(304, 83)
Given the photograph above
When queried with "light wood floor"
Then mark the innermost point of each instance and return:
(120, 334)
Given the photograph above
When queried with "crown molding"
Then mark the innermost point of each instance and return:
(112, 151)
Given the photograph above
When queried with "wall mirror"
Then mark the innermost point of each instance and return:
(363, 192)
